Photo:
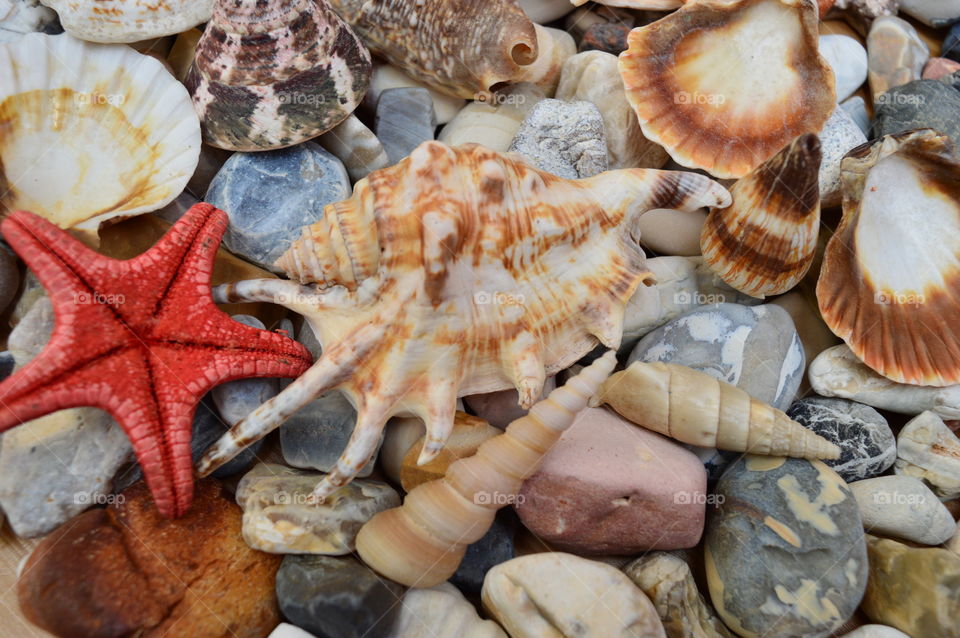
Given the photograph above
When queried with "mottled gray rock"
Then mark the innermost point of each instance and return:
(928, 450)
(754, 348)
(6, 364)
(563, 138)
(867, 445)
(336, 597)
(785, 554)
(356, 146)
(29, 337)
(839, 135)
(405, 119)
(848, 60)
(495, 547)
(920, 104)
(856, 108)
(270, 196)
(18, 17)
(236, 399)
(903, 507)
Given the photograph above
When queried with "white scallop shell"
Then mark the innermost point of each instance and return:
(91, 131)
(129, 20)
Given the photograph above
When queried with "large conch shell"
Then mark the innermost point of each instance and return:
(89, 132)
(693, 407)
(129, 20)
(458, 47)
(725, 84)
(272, 74)
(458, 271)
(764, 243)
(421, 543)
(890, 282)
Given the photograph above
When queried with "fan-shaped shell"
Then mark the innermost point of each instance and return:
(459, 47)
(460, 271)
(272, 74)
(763, 244)
(129, 20)
(890, 282)
(723, 85)
(89, 132)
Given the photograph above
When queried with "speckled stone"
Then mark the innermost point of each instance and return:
(903, 507)
(754, 348)
(867, 445)
(913, 589)
(856, 108)
(292, 184)
(785, 554)
(280, 517)
(839, 135)
(495, 547)
(928, 450)
(405, 119)
(920, 104)
(563, 138)
(848, 60)
(337, 597)
(896, 55)
(441, 611)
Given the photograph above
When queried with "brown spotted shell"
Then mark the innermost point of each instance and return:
(764, 243)
(723, 85)
(890, 282)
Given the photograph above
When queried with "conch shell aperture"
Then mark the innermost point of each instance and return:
(458, 271)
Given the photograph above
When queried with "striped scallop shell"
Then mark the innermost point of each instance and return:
(458, 47)
(129, 20)
(269, 75)
(723, 85)
(890, 281)
(764, 243)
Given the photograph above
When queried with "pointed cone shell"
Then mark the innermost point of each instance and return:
(90, 132)
(763, 244)
(269, 75)
(693, 407)
(890, 282)
(714, 87)
(458, 47)
(460, 271)
(421, 543)
(129, 20)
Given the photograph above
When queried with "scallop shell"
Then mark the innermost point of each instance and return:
(89, 132)
(890, 282)
(458, 271)
(459, 47)
(764, 243)
(269, 75)
(723, 85)
(129, 20)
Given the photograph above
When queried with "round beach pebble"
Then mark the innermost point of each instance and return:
(903, 507)
(785, 555)
(848, 60)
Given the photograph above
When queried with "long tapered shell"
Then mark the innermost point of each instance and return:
(90, 132)
(129, 20)
(890, 282)
(272, 74)
(459, 47)
(725, 85)
(763, 244)
(421, 543)
(693, 407)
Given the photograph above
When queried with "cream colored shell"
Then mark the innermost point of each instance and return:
(129, 20)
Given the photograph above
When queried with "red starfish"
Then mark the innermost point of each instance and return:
(141, 339)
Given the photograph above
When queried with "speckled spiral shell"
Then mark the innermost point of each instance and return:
(764, 243)
(459, 271)
(459, 47)
(272, 74)
(723, 85)
(421, 543)
(129, 20)
(693, 407)
(890, 282)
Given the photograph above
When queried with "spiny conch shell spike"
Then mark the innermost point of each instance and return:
(693, 407)
(763, 244)
(421, 543)
(273, 74)
(722, 85)
(458, 47)
(890, 282)
(458, 271)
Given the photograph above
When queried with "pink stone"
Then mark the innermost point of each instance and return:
(610, 487)
(501, 408)
(937, 68)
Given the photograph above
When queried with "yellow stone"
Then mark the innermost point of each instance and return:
(467, 435)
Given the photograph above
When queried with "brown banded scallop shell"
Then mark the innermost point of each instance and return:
(723, 85)
(89, 132)
(763, 243)
(272, 74)
(129, 20)
(462, 48)
(458, 271)
(890, 282)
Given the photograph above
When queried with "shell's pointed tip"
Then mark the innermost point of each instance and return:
(206, 465)
(428, 453)
(323, 489)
